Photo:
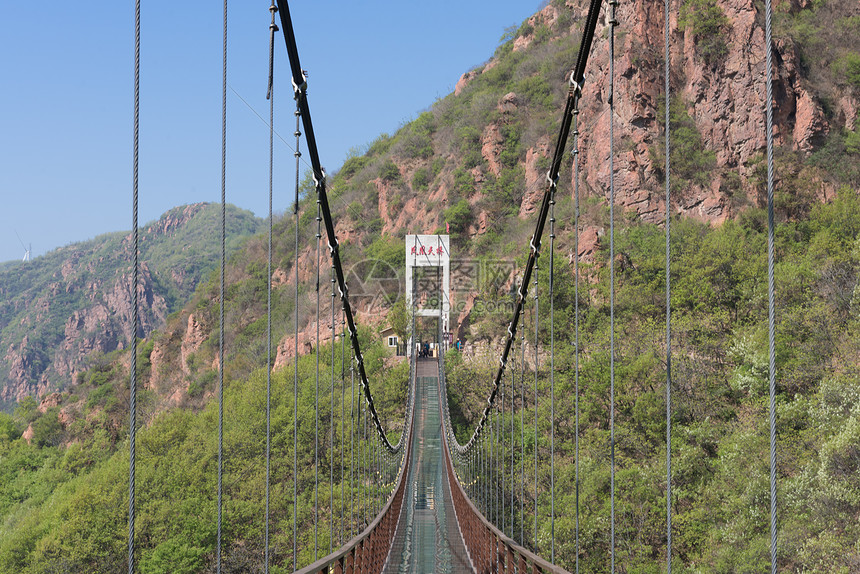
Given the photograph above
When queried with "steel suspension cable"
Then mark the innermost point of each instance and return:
(299, 81)
(270, 95)
(668, 304)
(523, 434)
(222, 300)
(501, 454)
(613, 22)
(536, 405)
(551, 295)
(493, 491)
(331, 426)
(513, 406)
(135, 320)
(367, 493)
(613, 4)
(317, 395)
(298, 155)
(342, 429)
(771, 307)
(352, 448)
(575, 153)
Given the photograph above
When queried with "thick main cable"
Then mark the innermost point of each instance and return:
(574, 93)
(319, 176)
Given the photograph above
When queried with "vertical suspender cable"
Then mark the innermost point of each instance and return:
(501, 434)
(132, 423)
(351, 447)
(552, 374)
(612, 23)
(513, 396)
(378, 475)
(298, 155)
(361, 467)
(367, 501)
(536, 406)
(483, 478)
(331, 425)
(576, 318)
(271, 97)
(223, 302)
(491, 469)
(317, 395)
(668, 311)
(342, 427)
(771, 311)
(523, 434)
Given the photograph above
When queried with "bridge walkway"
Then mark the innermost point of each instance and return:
(428, 539)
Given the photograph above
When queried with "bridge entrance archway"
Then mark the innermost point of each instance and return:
(423, 251)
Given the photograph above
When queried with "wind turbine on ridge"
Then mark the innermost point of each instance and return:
(26, 249)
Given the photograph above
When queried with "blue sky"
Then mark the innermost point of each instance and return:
(66, 101)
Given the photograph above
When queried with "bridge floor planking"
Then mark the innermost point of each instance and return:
(428, 539)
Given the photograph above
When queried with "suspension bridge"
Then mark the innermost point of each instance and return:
(439, 505)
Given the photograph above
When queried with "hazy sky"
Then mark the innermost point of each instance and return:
(67, 86)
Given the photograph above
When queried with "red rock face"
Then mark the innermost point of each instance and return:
(725, 101)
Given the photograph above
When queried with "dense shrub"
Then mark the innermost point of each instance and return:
(708, 23)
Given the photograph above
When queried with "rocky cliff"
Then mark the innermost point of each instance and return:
(721, 88)
(60, 310)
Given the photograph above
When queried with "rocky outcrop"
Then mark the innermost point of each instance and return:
(546, 17)
(725, 100)
(194, 337)
(77, 302)
(535, 177)
(491, 147)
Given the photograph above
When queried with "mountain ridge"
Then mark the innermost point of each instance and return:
(60, 308)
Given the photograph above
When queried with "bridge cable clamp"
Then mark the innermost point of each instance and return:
(553, 181)
(577, 87)
(319, 182)
(299, 89)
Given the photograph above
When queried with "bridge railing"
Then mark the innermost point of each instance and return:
(490, 549)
